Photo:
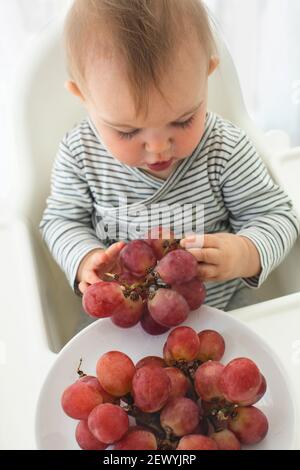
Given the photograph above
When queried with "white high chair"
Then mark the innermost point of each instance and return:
(41, 114)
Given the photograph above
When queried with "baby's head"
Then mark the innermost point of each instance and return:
(141, 69)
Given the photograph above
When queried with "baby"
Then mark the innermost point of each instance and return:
(140, 69)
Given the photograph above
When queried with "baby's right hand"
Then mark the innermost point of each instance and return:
(96, 263)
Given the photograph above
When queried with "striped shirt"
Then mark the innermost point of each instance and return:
(224, 175)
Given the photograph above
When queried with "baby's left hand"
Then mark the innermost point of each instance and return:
(225, 256)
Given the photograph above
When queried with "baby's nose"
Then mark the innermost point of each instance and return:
(158, 143)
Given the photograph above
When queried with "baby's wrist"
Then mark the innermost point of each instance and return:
(252, 263)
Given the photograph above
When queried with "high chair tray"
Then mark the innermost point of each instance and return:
(278, 323)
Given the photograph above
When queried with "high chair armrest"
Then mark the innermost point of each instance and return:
(278, 141)
(285, 168)
(25, 356)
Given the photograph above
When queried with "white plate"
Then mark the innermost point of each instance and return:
(55, 431)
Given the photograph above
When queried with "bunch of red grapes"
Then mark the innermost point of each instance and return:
(156, 284)
(187, 400)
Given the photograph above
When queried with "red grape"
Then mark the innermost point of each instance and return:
(137, 439)
(107, 398)
(212, 346)
(85, 439)
(177, 266)
(160, 239)
(101, 299)
(115, 372)
(137, 257)
(150, 325)
(207, 380)
(181, 416)
(240, 380)
(153, 361)
(128, 279)
(196, 442)
(128, 313)
(226, 440)
(168, 308)
(182, 345)
(179, 382)
(250, 425)
(108, 423)
(193, 292)
(151, 388)
(79, 399)
(258, 396)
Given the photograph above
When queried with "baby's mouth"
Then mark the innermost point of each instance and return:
(160, 166)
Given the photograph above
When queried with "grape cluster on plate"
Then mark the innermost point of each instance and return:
(156, 284)
(187, 400)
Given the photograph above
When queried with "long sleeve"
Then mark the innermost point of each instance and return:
(66, 225)
(258, 208)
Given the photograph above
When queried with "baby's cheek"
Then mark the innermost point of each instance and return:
(188, 141)
(125, 151)
(128, 152)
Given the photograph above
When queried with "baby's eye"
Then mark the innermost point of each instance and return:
(184, 124)
(128, 135)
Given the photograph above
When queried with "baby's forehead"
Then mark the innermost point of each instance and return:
(103, 58)
(181, 80)
(112, 98)
(97, 40)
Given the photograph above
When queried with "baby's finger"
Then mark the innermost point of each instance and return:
(211, 240)
(206, 255)
(83, 286)
(192, 241)
(113, 251)
(207, 272)
(91, 277)
(195, 252)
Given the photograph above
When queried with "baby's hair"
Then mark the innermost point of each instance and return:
(144, 33)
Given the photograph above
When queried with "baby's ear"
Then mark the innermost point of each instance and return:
(213, 64)
(72, 88)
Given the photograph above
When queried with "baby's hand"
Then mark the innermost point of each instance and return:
(225, 256)
(96, 263)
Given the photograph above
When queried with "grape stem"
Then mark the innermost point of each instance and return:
(220, 414)
(79, 372)
(144, 288)
(165, 439)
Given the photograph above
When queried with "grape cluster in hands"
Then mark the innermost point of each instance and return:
(157, 285)
(187, 400)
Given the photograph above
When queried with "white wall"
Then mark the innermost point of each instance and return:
(20, 20)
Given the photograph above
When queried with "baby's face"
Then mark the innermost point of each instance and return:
(171, 130)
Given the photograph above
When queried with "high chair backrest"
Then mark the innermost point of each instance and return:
(41, 114)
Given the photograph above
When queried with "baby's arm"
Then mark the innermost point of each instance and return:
(66, 224)
(262, 219)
